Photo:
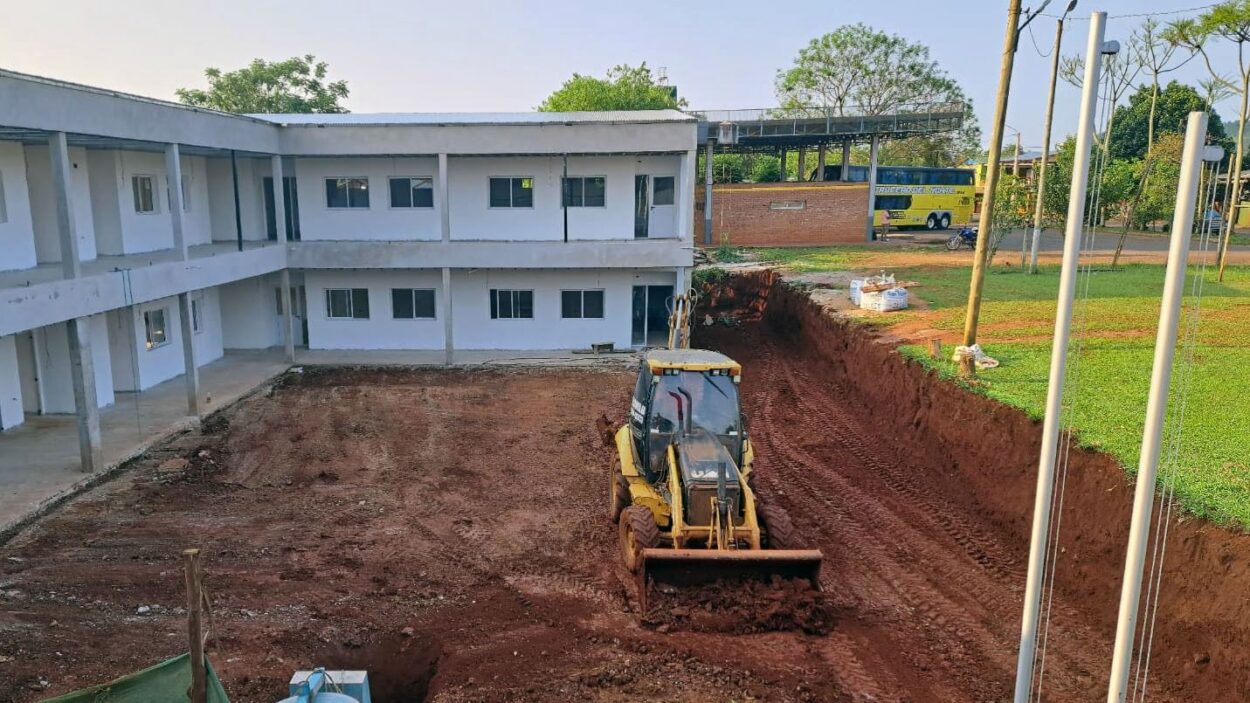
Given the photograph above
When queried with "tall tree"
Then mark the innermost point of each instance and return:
(1157, 56)
(296, 85)
(625, 88)
(856, 69)
(1132, 136)
(1119, 75)
(1229, 22)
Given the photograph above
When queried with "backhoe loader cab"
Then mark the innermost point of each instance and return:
(681, 490)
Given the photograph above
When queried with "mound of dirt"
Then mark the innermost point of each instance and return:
(740, 606)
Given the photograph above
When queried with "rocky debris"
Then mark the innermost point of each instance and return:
(741, 606)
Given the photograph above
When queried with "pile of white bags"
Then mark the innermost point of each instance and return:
(892, 298)
(980, 358)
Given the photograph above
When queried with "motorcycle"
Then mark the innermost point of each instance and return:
(966, 236)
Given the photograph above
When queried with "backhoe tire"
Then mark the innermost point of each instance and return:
(638, 532)
(618, 492)
(779, 531)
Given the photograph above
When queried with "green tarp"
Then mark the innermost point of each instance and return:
(167, 681)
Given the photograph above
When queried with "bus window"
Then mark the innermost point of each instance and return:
(892, 202)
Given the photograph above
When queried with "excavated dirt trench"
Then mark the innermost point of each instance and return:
(447, 531)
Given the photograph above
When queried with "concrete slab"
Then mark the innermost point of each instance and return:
(39, 463)
(52, 272)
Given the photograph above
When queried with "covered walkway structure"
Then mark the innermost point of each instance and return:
(781, 130)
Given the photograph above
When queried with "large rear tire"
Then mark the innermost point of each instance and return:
(618, 491)
(778, 530)
(945, 222)
(638, 532)
(931, 223)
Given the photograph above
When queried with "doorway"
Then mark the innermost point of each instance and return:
(299, 305)
(650, 315)
(655, 206)
(290, 197)
(28, 374)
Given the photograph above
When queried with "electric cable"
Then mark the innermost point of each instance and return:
(1073, 376)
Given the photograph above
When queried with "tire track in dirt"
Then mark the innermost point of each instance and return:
(911, 557)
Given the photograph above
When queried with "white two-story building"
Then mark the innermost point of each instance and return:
(140, 239)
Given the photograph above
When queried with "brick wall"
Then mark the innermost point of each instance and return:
(784, 214)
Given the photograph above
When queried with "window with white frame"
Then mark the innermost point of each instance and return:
(412, 303)
(145, 193)
(347, 303)
(197, 310)
(584, 191)
(347, 193)
(154, 326)
(577, 304)
(512, 191)
(4, 207)
(507, 304)
(665, 190)
(412, 191)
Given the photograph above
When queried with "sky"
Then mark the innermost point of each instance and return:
(477, 55)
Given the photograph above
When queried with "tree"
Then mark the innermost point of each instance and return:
(1119, 74)
(1131, 133)
(859, 70)
(625, 88)
(1155, 54)
(1229, 21)
(766, 169)
(296, 85)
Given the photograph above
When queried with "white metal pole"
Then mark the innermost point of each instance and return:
(1058, 360)
(1156, 407)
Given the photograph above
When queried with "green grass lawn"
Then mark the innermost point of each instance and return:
(1115, 328)
(1115, 320)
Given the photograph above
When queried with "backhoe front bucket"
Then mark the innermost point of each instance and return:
(684, 567)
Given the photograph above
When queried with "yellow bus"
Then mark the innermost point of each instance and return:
(932, 198)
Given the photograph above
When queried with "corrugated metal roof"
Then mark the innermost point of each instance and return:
(379, 119)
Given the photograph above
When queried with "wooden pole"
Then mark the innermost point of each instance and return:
(199, 686)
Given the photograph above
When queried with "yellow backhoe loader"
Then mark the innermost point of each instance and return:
(681, 485)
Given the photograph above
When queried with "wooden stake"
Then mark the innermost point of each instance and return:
(191, 565)
(935, 349)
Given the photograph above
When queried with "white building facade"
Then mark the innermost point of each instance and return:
(140, 240)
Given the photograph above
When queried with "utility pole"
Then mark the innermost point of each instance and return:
(1047, 457)
(1050, 114)
(1156, 406)
(1015, 162)
(968, 365)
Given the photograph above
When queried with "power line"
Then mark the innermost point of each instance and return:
(1037, 48)
(1142, 14)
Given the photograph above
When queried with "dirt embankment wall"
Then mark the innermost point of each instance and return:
(1203, 632)
(784, 214)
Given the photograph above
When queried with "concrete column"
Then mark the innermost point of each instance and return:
(288, 317)
(62, 193)
(448, 344)
(681, 285)
(173, 177)
(685, 195)
(279, 197)
(190, 372)
(872, 184)
(846, 161)
(784, 174)
(820, 162)
(86, 408)
(444, 209)
(802, 174)
(707, 194)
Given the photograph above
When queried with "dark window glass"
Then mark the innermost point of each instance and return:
(570, 303)
(401, 303)
(595, 189)
(423, 303)
(500, 192)
(401, 192)
(892, 202)
(592, 304)
(358, 192)
(522, 192)
(412, 192)
(347, 192)
(338, 303)
(508, 304)
(360, 303)
(573, 191)
(663, 190)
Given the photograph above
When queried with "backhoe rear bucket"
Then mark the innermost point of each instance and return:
(683, 567)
